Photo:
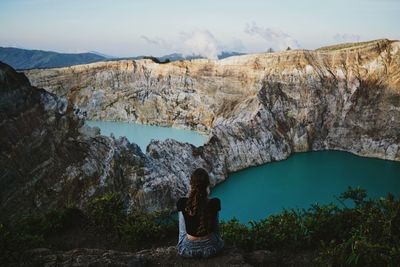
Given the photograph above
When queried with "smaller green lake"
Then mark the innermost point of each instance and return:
(142, 134)
(301, 180)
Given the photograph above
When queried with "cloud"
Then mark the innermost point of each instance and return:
(346, 38)
(200, 42)
(234, 44)
(156, 41)
(275, 38)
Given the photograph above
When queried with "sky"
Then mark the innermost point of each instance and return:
(206, 27)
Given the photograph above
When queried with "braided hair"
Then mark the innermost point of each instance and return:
(197, 201)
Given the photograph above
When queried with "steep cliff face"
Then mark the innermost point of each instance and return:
(49, 159)
(255, 109)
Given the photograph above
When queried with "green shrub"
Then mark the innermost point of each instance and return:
(107, 211)
(373, 240)
(236, 234)
(31, 231)
(133, 230)
(359, 251)
(12, 242)
(366, 234)
(53, 221)
(357, 195)
(328, 222)
(140, 229)
(281, 231)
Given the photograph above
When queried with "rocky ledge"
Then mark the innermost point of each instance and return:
(255, 108)
(163, 256)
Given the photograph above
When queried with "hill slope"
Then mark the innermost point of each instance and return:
(30, 59)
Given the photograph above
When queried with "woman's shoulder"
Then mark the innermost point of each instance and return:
(215, 200)
(180, 205)
(215, 203)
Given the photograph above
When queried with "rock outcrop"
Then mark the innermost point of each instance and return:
(162, 256)
(255, 108)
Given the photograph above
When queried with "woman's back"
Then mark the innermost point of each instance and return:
(192, 223)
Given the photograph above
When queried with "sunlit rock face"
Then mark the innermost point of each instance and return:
(255, 108)
(260, 107)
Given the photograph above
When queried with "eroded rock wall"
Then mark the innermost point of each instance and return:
(261, 107)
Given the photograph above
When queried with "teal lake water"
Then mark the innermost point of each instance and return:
(143, 134)
(301, 180)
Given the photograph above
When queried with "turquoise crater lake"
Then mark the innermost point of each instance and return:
(142, 134)
(297, 182)
(301, 180)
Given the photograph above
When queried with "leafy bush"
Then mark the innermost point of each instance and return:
(235, 233)
(281, 231)
(144, 228)
(374, 240)
(107, 211)
(105, 215)
(31, 231)
(134, 230)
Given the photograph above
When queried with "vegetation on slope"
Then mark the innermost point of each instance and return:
(104, 225)
(365, 234)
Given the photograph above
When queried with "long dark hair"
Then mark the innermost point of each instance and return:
(197, 202)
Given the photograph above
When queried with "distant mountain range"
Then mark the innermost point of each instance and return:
(30, 59)
(22, 59)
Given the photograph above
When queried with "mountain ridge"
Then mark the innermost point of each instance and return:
(24, 59)
(28, 59)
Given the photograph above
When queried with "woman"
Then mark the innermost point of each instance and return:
(198, 219)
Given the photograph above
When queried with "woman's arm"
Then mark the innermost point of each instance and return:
(216, 224)
(182, 226)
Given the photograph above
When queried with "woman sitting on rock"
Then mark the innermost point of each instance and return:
(198, 219)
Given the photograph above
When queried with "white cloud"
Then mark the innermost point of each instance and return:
(200, 42)
(346, 37)
(235, 45)
(275, 38)
(156, 41)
